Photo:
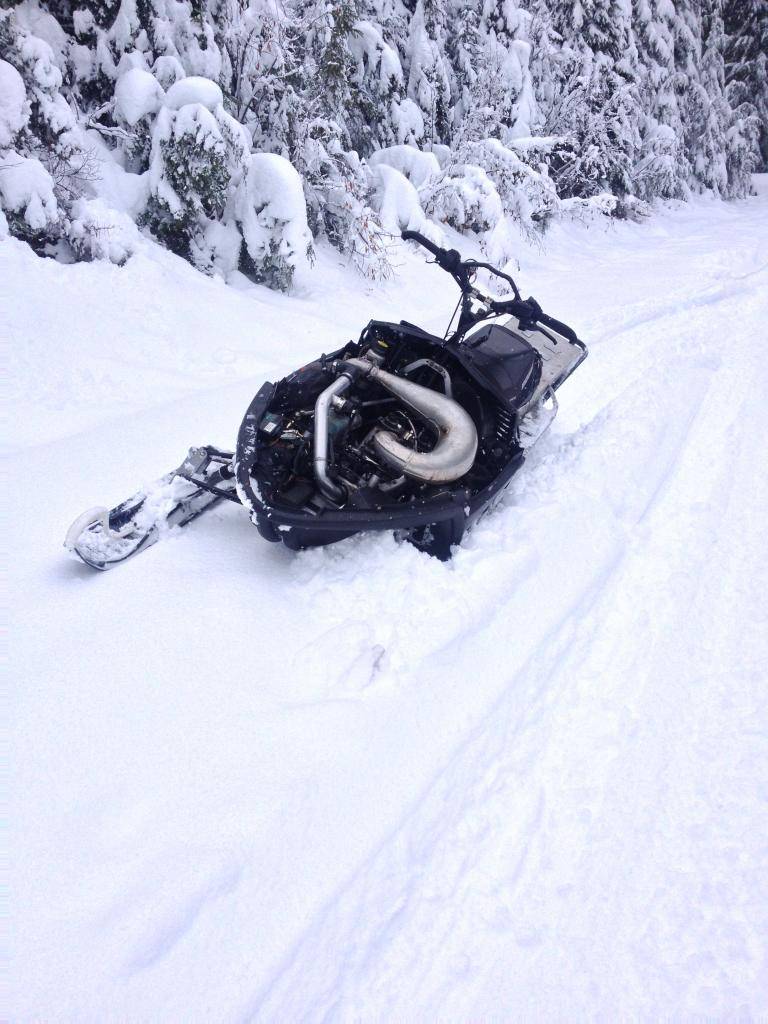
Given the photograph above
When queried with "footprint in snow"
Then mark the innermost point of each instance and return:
(341, 663)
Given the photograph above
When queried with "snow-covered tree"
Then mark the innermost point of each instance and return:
(197, 158)
(45, 167)
(746, 64)
(597, 107)
(526, 109)
(137, 98)
(429, 78)
(464, 197)
(383, 115)
(527, 194)
(711, 116)
(339, 189)
(663, 168)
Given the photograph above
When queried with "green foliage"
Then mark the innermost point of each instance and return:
(198, 176)
(272, 269)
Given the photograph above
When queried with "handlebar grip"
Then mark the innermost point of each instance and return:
(415, 236)
(528, 311)
(559, 326)
(517, 307)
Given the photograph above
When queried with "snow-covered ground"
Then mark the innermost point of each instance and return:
(356, 783)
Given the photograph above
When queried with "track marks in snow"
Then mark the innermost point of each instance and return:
(176, 912)
(650, 311)
(494, 880)
(488, 856)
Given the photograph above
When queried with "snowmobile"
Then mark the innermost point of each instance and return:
(401, 430)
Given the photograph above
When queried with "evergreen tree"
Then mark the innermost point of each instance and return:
(491, 54)
(598, 106)
(429, 79)
(198, 156)
(711, 115)
(663, 168)
(746, 63)
(42, 145)
(465, 48)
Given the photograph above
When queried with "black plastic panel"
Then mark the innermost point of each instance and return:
(503, 362)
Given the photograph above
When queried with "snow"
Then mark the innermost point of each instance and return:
(167, 70)
(271, 210)
(42, 60)
(408, 120)
(30, 16)
(274, 186)
(118, 188)
(369, 50)
(98, 232)
(26, 187)
(13, 99)
(194, 90)
(137, 94)
(397, 202)
(356, 783)
(418, 167)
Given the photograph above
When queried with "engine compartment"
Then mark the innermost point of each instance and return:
(285, 466)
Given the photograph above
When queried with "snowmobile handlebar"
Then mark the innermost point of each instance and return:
(447, 259)
(451, 261)
(531, 316)
(528, 312)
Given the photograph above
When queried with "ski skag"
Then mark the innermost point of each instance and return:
(103, 537)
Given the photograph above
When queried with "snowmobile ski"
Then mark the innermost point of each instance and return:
(103, 538)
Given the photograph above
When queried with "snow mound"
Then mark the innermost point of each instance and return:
(397, 202)
(97, 232)
(137, 94)
(418, 167)
(168, 70)
(464, 197)
(13, 98)
(26, 187)
(194, 90)
(272, 212)
(407, 120)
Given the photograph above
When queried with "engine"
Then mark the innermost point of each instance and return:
(372, 427)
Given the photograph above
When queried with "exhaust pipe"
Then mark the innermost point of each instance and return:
(456, 446)
(329, 487)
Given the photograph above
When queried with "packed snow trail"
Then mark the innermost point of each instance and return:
(358, 783)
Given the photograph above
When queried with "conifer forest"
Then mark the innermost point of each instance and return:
(239, 133)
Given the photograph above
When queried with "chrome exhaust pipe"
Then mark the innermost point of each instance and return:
(456, 446)
(328, 486)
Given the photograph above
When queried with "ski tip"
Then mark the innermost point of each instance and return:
(83, 522)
